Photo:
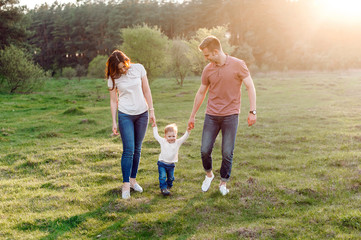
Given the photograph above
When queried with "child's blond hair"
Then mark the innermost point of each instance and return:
(171, 128)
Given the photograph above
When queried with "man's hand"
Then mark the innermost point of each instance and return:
(191, 123)
(251, 119)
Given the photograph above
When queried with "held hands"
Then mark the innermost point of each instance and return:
(251, 119)
(189, 129)
(190, 123)
(152, 118)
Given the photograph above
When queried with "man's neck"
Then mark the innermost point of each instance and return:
(222, 59)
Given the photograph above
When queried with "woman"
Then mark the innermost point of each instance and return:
(130, 98)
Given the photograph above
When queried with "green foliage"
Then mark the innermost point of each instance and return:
(244, 52)
(13, 24)
(71, 34)
(97, 66)
(196, 57)
(148, 46)
(69, 72)
(180, 64)
(81, 71)
(18, 72)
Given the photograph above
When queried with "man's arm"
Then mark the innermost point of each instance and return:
(198, 100)
(248, 82)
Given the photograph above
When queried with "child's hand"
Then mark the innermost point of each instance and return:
(189, 129)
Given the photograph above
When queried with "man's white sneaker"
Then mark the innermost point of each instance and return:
(223, 189)
(207, 183)
(137, 187)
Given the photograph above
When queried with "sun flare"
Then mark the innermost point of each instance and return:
(347, 10)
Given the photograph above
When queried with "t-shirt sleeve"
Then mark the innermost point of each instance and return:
(110, 83)
(244, 72)
(205, 77)
(143, 72)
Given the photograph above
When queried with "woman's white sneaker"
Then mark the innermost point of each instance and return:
(125, 194)
(137, 187)
(207, 183)
(223, 189)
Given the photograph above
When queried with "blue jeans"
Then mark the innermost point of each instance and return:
(132, 130)
(166, 174)
(212, 125)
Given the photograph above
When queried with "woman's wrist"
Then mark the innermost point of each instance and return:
(151, 109)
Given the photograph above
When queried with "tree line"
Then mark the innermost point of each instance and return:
(267, 34)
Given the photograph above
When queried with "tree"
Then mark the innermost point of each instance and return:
(245, 53)
(147, 46)
(97, 66)
(13, 24)
(180, 63)
(18, 71)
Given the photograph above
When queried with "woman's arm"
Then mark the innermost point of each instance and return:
(113, 109)
(148, 98)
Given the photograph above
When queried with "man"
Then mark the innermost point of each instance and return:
(222, 78)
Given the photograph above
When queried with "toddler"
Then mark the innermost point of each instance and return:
(168, 156)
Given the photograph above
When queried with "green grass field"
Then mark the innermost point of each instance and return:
(296, 174)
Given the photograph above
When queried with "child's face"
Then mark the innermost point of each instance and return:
(171, 136)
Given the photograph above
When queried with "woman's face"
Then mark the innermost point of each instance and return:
(123, 68)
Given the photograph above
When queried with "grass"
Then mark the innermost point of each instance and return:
(296, 174)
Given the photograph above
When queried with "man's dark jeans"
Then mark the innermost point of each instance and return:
(212, 126)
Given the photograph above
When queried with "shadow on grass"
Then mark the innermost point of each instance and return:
(202, 211)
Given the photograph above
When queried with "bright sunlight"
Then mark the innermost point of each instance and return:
(340, 10)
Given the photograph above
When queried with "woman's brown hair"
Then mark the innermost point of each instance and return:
(112, 70)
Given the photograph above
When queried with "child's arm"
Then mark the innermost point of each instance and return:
(184, 137)
(156, 135)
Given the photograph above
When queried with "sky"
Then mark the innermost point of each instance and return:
(31, 3)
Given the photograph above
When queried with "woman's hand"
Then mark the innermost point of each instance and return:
(152, 118)
(115, 132)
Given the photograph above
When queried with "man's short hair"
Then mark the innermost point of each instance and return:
(211, 43)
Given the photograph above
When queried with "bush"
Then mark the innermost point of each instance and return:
(69, 72)
(147, 46)
(97, 66)
(80, 71)
(18, 73)
(180, 64)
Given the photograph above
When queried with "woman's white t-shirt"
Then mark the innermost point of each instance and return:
(131, 98)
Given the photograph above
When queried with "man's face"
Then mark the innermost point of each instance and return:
(211, 56)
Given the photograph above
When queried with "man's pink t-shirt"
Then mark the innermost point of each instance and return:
(224, 93)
